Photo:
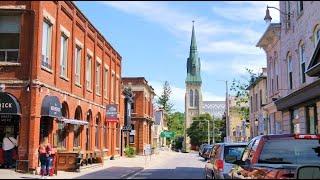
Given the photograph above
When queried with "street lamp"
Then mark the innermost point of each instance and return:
(268, 18)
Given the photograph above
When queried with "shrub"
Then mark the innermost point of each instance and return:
(130, 151)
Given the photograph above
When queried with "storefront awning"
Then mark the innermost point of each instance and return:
(51, 107)
(303, 95)
(9, 104)
(73, 121)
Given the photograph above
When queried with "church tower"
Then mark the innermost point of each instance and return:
(193, 95)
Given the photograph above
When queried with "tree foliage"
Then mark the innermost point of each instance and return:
(241, 93)
(176, 123)
(164, 100)
(198, 130)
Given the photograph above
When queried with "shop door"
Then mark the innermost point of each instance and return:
(312, 120)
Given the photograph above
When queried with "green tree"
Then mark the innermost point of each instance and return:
(176, 123)
(241, 93)
(164, 100)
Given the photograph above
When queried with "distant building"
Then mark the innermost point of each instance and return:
(215, 108)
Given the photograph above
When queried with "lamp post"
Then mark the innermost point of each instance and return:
(268, 18)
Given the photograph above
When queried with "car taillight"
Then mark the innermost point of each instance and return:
(306, 136)
(219, 164)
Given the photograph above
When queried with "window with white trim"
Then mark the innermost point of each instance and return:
(88, 71)
(63, 55)
(10, 37)
(77, 62)
(117, 90)
(302, 62)
(112, 86)
(46, 44)
(98, 78)
(316, 35)
(105, 87)
(299, 7)
(289, 61)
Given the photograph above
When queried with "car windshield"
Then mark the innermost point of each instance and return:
(290, 151)
(235, 151)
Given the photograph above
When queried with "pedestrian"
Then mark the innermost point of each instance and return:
(8, 145)
(46, 159)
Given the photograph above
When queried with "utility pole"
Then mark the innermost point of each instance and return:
(227, 112)
(213, 129)
(208, 133)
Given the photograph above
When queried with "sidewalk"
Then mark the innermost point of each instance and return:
(123, 166)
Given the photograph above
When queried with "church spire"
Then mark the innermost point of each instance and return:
(193, 63)
(193, 45)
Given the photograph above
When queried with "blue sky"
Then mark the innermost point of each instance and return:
(154, 38)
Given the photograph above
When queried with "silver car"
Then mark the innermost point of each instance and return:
(221, 159)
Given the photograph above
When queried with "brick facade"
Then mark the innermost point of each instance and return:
(29, 81)
(142, 112)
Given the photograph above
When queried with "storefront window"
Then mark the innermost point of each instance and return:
(77, 128)
(97, 131)
(117, 135)
(61, 133)
(105, 136)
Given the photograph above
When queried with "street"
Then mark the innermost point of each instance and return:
(175, 166)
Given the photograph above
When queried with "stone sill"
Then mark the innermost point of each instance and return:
(9, 64)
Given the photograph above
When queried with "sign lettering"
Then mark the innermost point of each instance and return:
(5, 106)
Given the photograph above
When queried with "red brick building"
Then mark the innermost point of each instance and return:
(59, 73)
(142, 112)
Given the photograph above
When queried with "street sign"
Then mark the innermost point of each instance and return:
(167, 134)
(111, 112)
(147, 149)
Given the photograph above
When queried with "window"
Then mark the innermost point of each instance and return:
(256, 101)
(117, 90)
(299, 7)
(289, 71)
(77, 60)
(105, 136)
(112, 86)
(98, 74)
(302, 63)
(77, 129)
(118, 135)
(88, 72)
(132, 107)
(97, 132)
(105, 90)
(233, 151)
(131, 137)
(63, 55)
(288, 14)
(316, 35)
(196, 101)
(10, 36)
(261, 96)
(191, 98)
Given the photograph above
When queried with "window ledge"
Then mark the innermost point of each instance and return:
(90, 90)
(9, 64)
(98, 94)
(105, 150)
(79, 85)
(64, 78)
(46, 69)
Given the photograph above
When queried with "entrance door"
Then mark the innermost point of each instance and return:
(45, 127)
(312, 120)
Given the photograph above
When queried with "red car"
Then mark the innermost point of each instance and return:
(277, 156)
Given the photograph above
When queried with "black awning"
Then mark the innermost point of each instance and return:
(9, 104)
(51, 107)
(303, 95)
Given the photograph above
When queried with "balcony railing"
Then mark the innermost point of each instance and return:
(9, 55)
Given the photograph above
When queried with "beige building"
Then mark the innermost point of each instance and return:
(239, 131)
(297, 59)
(257, 100)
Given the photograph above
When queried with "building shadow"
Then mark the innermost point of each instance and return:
(111, 173)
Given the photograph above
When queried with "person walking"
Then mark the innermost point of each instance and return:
(8, 145)
(45, 155)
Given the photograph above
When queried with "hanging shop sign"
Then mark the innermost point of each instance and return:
(51, 107)
(112, 112)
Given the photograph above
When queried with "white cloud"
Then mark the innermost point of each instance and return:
(178, 95)
(231, 47)
(248, 10)
(238, 66)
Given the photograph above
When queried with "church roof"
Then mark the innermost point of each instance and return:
(193, 63)
(214, 108)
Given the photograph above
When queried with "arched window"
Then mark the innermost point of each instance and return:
(289, 61)
(302, 62)
(196, 98)
(89, 120)
(97, 123)
(77, 128)
(191, 98)
(61, 132)
(117, 135)
(316, 34)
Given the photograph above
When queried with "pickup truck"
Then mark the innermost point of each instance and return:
(277, 156)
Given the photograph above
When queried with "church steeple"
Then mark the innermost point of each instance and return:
(193, 63)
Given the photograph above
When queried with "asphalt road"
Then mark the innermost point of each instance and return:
(175, 166)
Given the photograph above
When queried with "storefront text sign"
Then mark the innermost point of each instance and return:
(8, 104)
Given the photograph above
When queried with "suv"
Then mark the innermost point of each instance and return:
(277, 156)
(221, 158)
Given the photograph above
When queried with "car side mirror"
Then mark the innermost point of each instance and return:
(308, 172)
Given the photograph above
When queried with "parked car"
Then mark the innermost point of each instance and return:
(206, 152)
(277, 156)
(201, 149)
(221, 158)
